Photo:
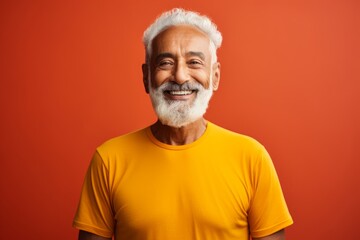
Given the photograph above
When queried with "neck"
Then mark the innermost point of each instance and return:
(179, 136)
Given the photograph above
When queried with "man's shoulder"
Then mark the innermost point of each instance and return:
(227, 133)
(229, 137)
(126, 140)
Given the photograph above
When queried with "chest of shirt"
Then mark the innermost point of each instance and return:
(176, 188)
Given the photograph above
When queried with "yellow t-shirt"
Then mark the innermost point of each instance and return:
(222, 186)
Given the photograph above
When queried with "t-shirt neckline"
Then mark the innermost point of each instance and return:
(154, 140)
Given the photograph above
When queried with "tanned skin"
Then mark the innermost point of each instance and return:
(90, 236)
(280, 235)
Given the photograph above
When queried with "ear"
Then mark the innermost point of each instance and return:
(145, 72)
(216, 76)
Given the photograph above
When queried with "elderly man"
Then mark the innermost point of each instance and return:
(182, 177)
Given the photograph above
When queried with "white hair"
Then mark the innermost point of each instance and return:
(178, 16)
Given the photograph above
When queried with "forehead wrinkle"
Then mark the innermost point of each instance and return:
(164, 55)
(160, 56)
(197, 54)
(177, 40)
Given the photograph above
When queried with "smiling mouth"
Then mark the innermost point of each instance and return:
(179, 92)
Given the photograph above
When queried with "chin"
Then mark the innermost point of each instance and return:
(180, 113)
(176, 124)
(179, 116)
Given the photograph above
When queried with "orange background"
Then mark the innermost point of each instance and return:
(71, 78)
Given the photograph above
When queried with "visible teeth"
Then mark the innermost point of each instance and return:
(180, 92)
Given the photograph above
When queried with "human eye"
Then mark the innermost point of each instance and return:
(195, 63)
(165, 64)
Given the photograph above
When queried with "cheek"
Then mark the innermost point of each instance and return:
(159, 77)
(203, 78)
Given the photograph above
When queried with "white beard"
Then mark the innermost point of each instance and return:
(180, 113)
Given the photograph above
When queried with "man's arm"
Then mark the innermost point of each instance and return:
(280, 235)
(90, 236)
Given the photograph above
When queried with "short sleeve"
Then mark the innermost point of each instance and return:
(268, 211)
(94, 212)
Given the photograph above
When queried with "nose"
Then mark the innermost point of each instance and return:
(181, 74)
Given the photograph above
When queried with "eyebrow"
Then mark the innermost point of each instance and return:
(170, 55)
(164, 55)
(198, 54)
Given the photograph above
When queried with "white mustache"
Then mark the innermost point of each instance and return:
(187, 86)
